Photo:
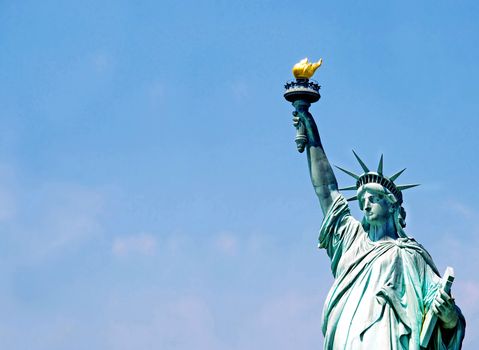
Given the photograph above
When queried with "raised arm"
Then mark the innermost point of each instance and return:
(322, 176)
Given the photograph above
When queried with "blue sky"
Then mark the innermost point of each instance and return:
(151, 196)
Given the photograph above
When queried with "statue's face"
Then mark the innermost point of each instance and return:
(376, 208)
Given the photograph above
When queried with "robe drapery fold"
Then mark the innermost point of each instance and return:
(381, 291)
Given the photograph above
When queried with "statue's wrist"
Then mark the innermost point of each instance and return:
(313, 134)
(450, 324)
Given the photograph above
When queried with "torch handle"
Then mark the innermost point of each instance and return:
(301, 138)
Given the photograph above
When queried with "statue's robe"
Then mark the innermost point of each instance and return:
(381, 291)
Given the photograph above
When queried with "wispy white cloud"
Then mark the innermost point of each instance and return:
(468, 292)
(8, 200)
(7, 204)
(226, 243)
(69, 214)
(186, 322)
(462, 209)
(54, 218)
(240, 90)
(101, 61)
(140, 244)
(286, 321)
(157, 91)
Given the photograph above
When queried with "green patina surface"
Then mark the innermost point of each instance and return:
(385, 282)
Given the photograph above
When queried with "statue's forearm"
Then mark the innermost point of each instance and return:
(451, 330)
(321, 172)
(320, 168)
(322, 176)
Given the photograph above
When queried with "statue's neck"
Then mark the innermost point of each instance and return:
(383, 231)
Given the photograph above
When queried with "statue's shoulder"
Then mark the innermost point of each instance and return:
(411, 243)
(421, 252)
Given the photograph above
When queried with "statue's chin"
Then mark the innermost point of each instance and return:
(375, 222)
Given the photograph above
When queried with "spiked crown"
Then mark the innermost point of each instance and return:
(376, 177)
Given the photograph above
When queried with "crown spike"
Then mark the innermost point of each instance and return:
(395, 176)
(405, 187)
(348, 172)
(380, 166)
(350, 188)
(352, 199)
(365, 168)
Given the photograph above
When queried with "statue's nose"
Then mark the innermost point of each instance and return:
(367, 205)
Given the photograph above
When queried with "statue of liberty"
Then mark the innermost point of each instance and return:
(385, 282)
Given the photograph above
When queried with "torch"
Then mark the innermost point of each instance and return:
(301, 93)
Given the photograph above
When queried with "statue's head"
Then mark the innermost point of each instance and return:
(377, 203)
(379, 197)
(379, 206)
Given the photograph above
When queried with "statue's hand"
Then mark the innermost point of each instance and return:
(296, 119)
(306, 120)
(301, 117)
(443, 306)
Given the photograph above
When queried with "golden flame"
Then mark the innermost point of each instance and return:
(305, 69)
